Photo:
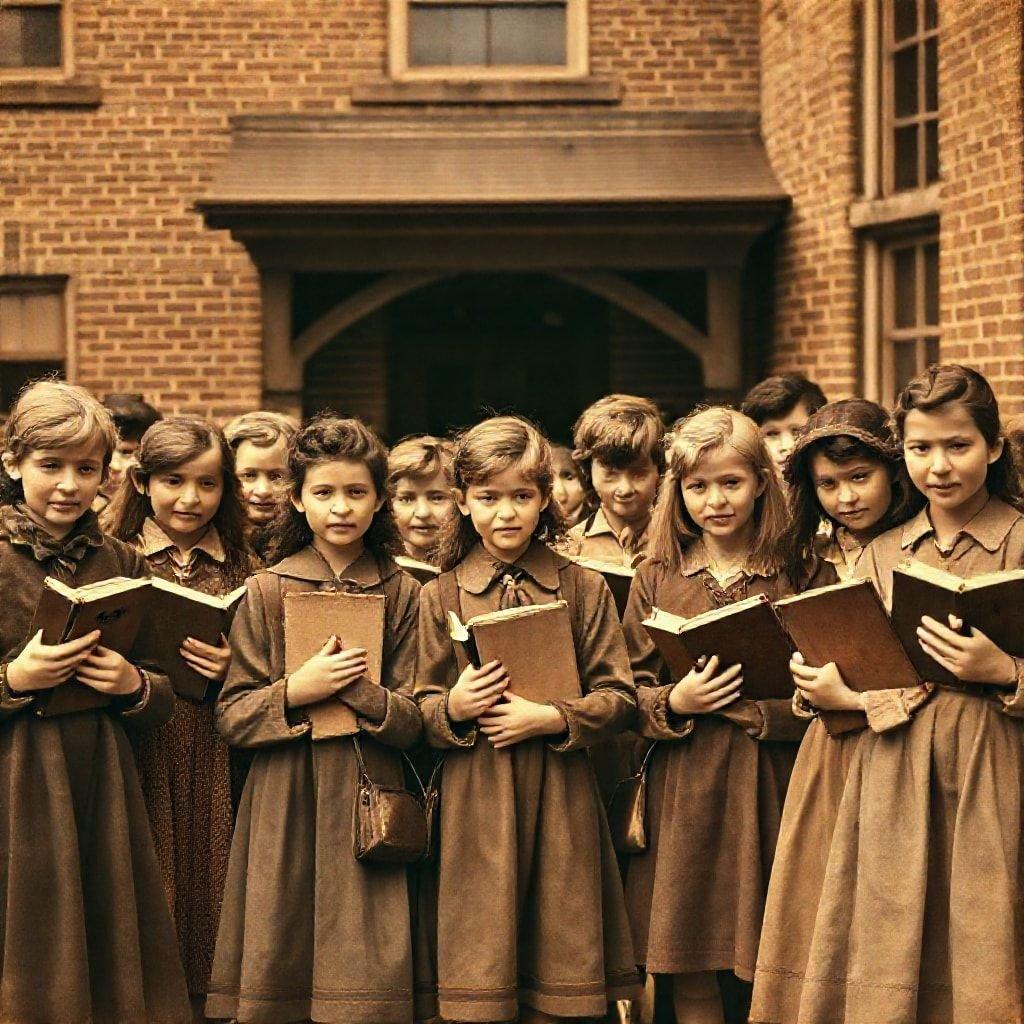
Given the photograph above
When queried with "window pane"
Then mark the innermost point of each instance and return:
(904, 359)
(14, 376)
(904, 16)
(32, 325)
(931, 284)
(904, 287)
(528, 35)
(931, 151)
(905, 157)
(448, 35)
(30, 37)
(931, 352)
(904, 71)
(931, 14)
(931, 74)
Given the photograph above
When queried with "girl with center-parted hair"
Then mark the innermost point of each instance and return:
(306, 930)
(718, 773)
(179, 507)
(531, 923)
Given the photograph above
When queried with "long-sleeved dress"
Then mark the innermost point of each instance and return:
(530, 906)
(306, 931)
(184, 769)
(921, 914)
(85, 933)
(716, 786)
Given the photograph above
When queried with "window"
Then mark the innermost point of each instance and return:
(467, 39)
(35, 39)
(33, 332)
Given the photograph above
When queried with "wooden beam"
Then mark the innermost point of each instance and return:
(282, 372)
(723, 353)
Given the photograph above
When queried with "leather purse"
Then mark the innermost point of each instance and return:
(627, 811)
(389, 822)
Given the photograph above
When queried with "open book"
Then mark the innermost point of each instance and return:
(115, 606)
(533, 642)
(619, 578)
(423, 572)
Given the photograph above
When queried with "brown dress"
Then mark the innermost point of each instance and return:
(84, 926)
(185, 775)
(306, 931)
(530, 907)
(920, 917)
(716, 785)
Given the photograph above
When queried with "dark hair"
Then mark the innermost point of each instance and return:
(132, 414)
(327, 438)
(843, 431)
(775, 397)
(165, 446)
(618, 430)
(950, 382)
(483, 451)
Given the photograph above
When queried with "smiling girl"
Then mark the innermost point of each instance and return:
(717, 777)
(531, 923)
(307, 931)
(920, 916)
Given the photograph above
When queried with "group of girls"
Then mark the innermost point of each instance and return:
(792, 872)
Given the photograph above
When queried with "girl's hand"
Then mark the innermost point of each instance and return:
(516, 719)
(210, 662)
(824, 687)
(328, 672)
(701, 691)
(108, 672)
(972, 659)
(43, 666)
(476, 691)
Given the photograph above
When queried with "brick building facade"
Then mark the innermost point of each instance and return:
(191, 209)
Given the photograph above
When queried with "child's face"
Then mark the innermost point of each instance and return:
(60, 484)
(505, 510)
(263, 476)
(627, 493)
(420, 507)
(779, 434)
(339, 502)
(567, 491)
(855, 494)
(122, 459)
(720, 492)
(184, 499)
(947, 456)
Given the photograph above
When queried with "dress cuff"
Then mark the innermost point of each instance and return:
(9, 700)
(664, 723)
(568, 740)
(367, 699)
(461, 734)
(891, 709)
(1013, 701)
(802, 707)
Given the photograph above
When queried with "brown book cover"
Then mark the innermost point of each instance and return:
(847, 623)
(309, 620)
(176, 612)
(534, 643)
(422, 572)
(992, 603)
(116, 607)
(618, 577)
(747, 633)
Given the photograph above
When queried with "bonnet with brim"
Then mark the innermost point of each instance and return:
(858, 418)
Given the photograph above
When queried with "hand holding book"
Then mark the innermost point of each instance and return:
(326, 674)
(972, 658)
(110, 673)
(210, 662)
(824, 686)
(476, 691)
(704, 690)
(43, 666)
(516, 719)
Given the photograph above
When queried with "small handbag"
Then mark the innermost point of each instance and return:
(627, 811)
(389, 822)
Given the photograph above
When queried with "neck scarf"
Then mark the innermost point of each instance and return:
(60, 555)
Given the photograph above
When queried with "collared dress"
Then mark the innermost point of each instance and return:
(921, 915)
(594, 537)
(185, 774)
(85, 932)
(841, 549)
(306, 930)
(530, 906)
(715, 790)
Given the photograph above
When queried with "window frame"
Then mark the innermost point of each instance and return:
(66, 70)
(577, 52)
(58, 285)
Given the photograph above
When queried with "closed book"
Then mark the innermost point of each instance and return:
(115, 606)
(847, 623)
(748, 633)
(310, 620)
(992, 603)
(618, 577)
(175, 612)
(422, 572)
(534, 643)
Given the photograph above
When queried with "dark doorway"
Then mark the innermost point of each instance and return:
(476, 344)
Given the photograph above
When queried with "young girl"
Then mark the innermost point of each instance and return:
(920, 917)
(306, 931)
(179, 506)
(86, 933)
(718, 776)
(531, 921)
(420, 490)
(847, 468)
(569, 490)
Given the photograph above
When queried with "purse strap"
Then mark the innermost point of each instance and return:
(647, 758)
(364, 774)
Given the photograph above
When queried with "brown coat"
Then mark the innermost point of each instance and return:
(716, 785)
(307, 931)
(530, 907)
(921, 918)
(86, 933)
